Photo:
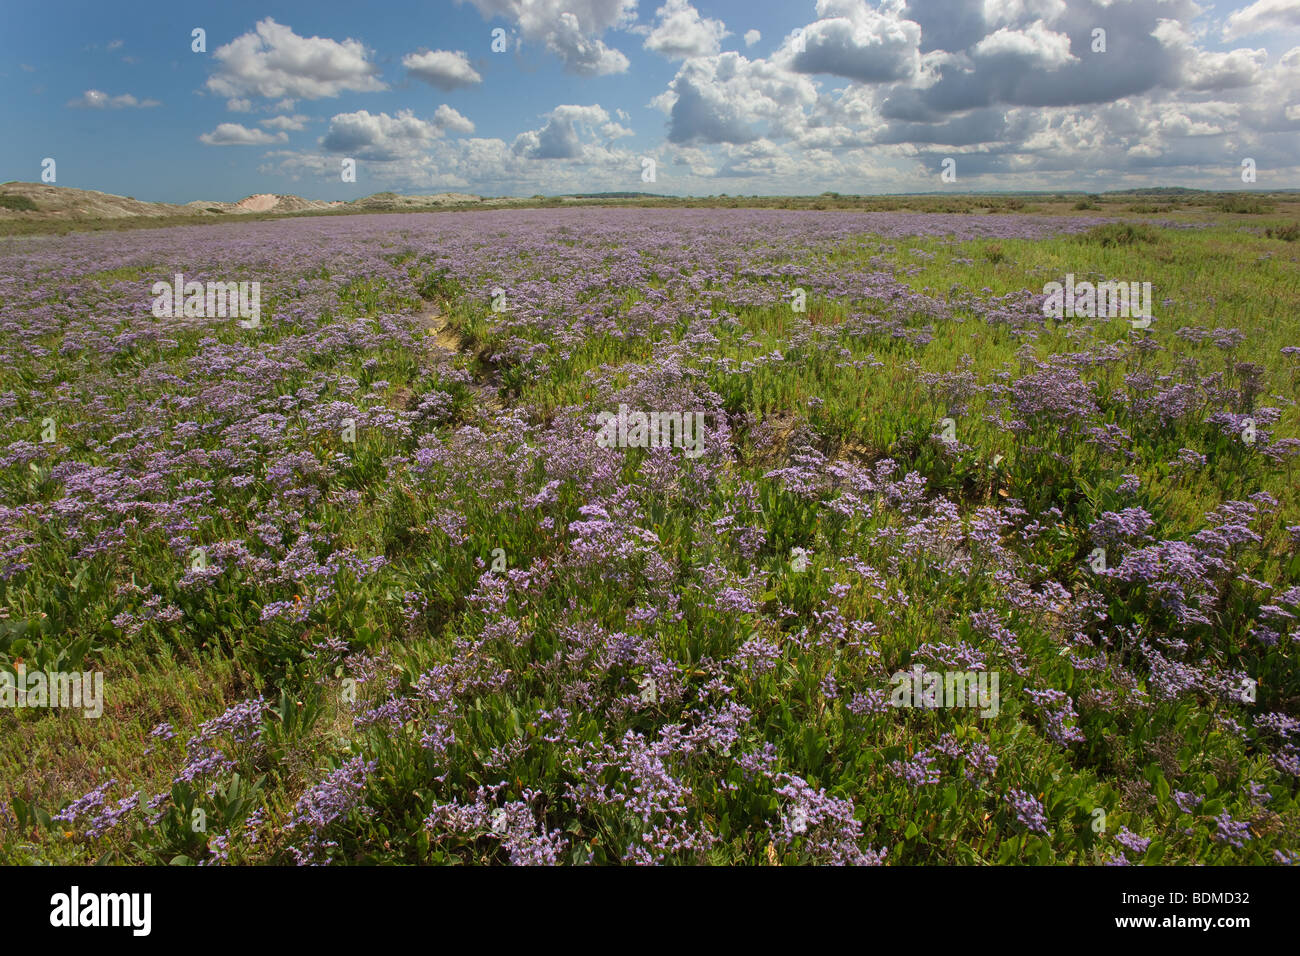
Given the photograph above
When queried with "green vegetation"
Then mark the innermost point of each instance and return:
(201, 530)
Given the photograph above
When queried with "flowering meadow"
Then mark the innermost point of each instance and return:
(365, 587)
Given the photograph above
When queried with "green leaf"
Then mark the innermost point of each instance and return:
(1162, 788)
(1155, 853)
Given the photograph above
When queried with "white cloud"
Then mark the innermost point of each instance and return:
(384, 138)
(992, 82)
(1264, 16)
(856, 41)
(444, 69)
(239, 104)
(273, 61)
(752, 37)
(581, 52)
(563, 135)
(681, 32)
(98, 100)
(1036, 45)
(233, 134)
(406, 152)
(1006, 12)
(1208, 70)
(570, 29)
(297, 122)
(447, 118)
(727, 98)
(378, 135)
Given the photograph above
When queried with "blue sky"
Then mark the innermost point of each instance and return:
(723, 97)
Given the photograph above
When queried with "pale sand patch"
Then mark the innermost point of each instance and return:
(259, 203)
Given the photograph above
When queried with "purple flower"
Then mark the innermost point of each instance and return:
(334, 798)
(1232, 832)
(1029, 812)
(822, 825)
(1131, 841)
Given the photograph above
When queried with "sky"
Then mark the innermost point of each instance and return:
(526, 97)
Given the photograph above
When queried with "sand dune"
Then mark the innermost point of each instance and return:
(39, 201)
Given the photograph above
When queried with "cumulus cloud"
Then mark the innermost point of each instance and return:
(404, 151)
(274, 62)
(570, 29)
(233, 134)
(445, 69)
(1036, 45)
(1264, 16)
(880, 92)
(385, 138)
(854, 40)
(730, 99)
(581, 52)
(1021, 57)
(681, 32)
(1209, 70)
(380, 136)
(448, 119)
(999, 13)
(98, 100)
(1014, 88)
(297, 122)
(570, 132)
